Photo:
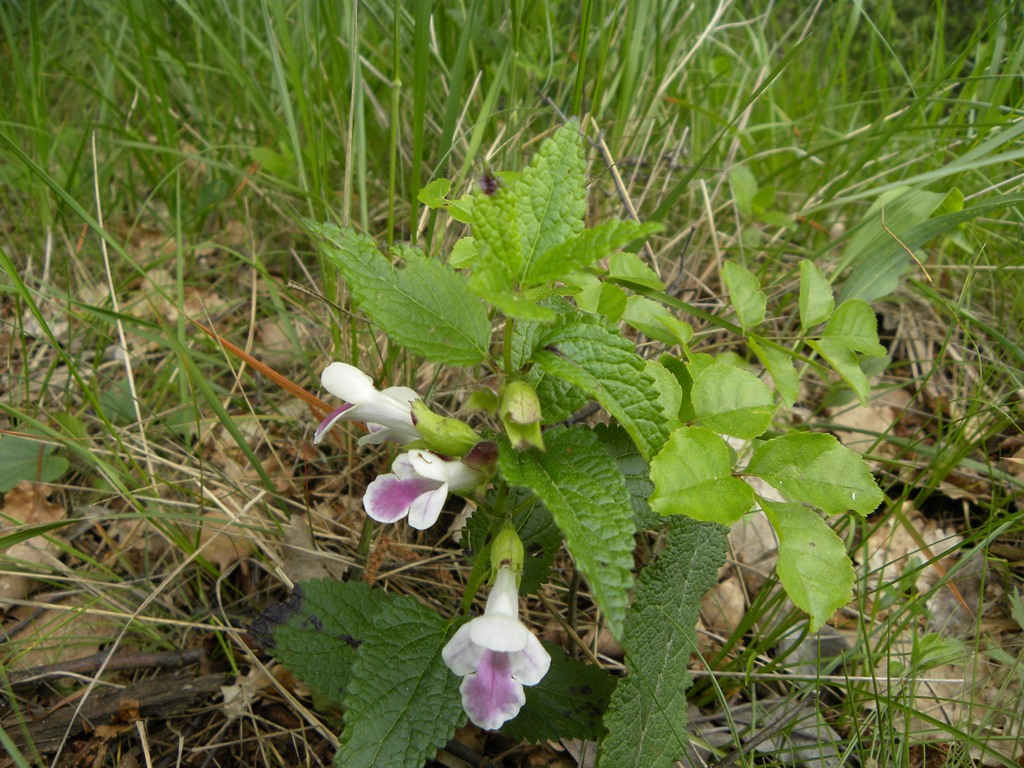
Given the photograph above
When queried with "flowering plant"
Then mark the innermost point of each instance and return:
(692, 444)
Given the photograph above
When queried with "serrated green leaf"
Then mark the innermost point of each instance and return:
(500, 248)
(316, 633)
(31, 460)
(435, 194)
(629, 266)
(693, 476)
(425, 307)
(403, 703)
(581, 350)
(463, 254)
(816, 299)
(635, 472)
(732, 401)
(585, 493)
(551, 195)
(855, 326)
(567, 704)
(816, 469)
(647, 717)
(813, 565)
(745, 294)
(584, 249)
(780, 366)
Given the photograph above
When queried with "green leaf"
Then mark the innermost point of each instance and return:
(585, 493)
(26, 532)
(567, 704)
(463, 254)
(732, 401)
(855, 326)
(875, 283)
(877, 251)
(744, 187)
(670, 393)
(813, 565)
(693, 476)
(780, 366)
(816, 469)
(403, 703)
(499, 258)
(583, 351)
(681, 331)
(845, 362)
(852, 328)
(316, 633)
(424, 307)
(647, 717)
(31, 460)
(551, 196)
(816, 299)
(651, 319)
(629, 266)
(745, 294)
(635, 472)
(584, 249)
(435, 194)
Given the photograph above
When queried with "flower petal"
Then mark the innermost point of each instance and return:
(504, 597)
(335, 416)
(425, 509)
(499, 633)
(491, 696)
(458, 476)
(348, 383)
(461, 654)
(388, 498)
(531, 664)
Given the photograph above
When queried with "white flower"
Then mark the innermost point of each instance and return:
(496, 655)
(417, 486)
(387, 414)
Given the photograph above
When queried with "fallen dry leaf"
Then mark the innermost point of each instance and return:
(865, 422)
(26, 504)
(300, 560)
(65, 632)
(223, 541)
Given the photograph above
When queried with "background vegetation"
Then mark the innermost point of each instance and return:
(157, 161)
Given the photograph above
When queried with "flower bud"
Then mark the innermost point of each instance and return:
(448, 436)
(520, 413)
(482, 457)
(507, 550)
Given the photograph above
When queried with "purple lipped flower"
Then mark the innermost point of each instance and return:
(387, 413)
(496, 655)
(416, 487)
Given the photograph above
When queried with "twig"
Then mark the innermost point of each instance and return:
(105, 660)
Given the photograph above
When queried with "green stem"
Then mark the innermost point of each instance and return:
(506, 346)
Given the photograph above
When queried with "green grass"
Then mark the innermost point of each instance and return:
(201, 134)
